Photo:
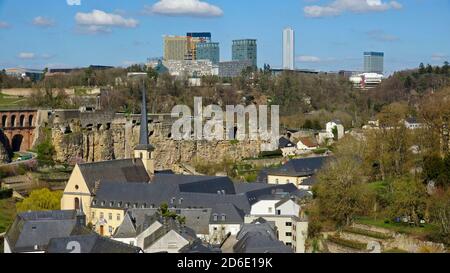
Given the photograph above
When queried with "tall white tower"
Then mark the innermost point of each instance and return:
(288, 49)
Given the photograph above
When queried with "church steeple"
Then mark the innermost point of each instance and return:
(144, 150)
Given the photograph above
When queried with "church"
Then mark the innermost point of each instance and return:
(106, 190)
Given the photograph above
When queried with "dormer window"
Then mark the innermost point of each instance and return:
(103, 203)
(135, 205)
(94, 202)
(180, 201)
(119, 204)
(215, 217)
(111, 203)
(127, 205)
(144, 206)
(224, 217)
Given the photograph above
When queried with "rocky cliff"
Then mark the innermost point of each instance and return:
(119, 140)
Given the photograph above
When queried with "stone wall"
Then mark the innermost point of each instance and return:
(90, 138)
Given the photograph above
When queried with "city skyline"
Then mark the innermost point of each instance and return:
(334, 33)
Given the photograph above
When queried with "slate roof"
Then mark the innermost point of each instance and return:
(285, 143)
(310, 181)
(168, 226)
(32, 231)
(92, 243)
(198, 247)
(299, 167)
(115, 171)
(259, 238)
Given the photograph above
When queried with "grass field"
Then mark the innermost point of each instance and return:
(427, 229)
(7, 101)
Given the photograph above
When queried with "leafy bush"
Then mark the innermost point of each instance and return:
(41, 200)
(269, 154)
(347, 243)
(6, 193)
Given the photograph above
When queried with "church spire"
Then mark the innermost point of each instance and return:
(144, 150)
(143, 136)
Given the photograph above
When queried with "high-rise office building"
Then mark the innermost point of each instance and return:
(374, 62)
(288, 49)
(208, 51)
(204, 36)
(179, 48)
(245, 50)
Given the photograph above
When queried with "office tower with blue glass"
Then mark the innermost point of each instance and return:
(209, 51)
(374, 62)
(245, 50)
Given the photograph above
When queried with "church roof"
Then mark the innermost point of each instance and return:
(123, 171)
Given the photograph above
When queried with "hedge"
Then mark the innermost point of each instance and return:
(368, 233)
(6, 193)
(268, 154)
(347, 243)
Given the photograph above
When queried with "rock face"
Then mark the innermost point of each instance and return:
(4, 154)
(91, 141)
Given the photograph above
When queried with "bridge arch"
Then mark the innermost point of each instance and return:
(22, 121)
(30, 120)
(16, 142)
(13, 121)
(4, 120)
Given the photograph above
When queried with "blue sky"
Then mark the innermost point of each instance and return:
(330, 34)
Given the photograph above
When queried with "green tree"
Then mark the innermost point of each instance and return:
(308, 124)
(409, 199)
(341, 192)
(429, 69)
(422, 68)
(45, 153)
(439, 207)
(41, 200)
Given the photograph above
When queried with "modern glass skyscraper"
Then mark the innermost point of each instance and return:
(245, 50)
(204, 36)
(209, 51)
(374, 62)
(288, 49)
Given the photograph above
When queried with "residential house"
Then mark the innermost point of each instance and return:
(259, 236)
(337, 126)
(90, 243)
(286, 214)
(307, 144)
(31, 232)
(413, 124)
(287, 147)
(295, 171)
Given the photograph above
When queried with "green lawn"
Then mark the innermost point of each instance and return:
(10, 101)
(400, 227)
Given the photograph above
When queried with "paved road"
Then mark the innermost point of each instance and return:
(34, 155)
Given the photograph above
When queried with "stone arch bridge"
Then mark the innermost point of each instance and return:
(18, 129)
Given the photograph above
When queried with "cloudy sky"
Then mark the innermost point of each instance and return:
(330, 34)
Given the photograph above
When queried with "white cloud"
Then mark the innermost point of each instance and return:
(337, 7)
(439, 57)
(4, 25)
(308, 59)
(43, 22)
(99, 21)
(381, 36)
(26, 55)
(194, 8)
(73, 2)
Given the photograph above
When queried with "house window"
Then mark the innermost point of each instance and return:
(288, 234)
(101, 215)
(144, 206)
(93, 214)
(110, 216)
(289, 224)
(180, 201)
(224, 217)
(278, 212)
(111, 203)
(118, 217)
(110, 229)
(215, 217)
(270, 210)
(119, 204)
(135, 205)
(289, 244)
(277, 181)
